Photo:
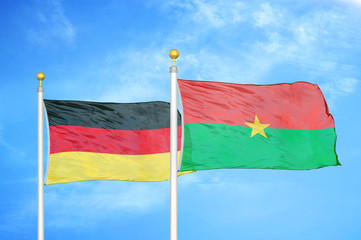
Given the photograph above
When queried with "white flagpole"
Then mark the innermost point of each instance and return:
(40, 76)
(173, 148)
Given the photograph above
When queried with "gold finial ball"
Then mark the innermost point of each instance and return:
(40, 76)
(173, 53)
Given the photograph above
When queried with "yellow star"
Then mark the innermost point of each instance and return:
(257, 127)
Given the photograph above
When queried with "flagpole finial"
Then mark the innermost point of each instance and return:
(40, 76)
(173, 54)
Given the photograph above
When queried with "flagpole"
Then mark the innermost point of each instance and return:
(173, 148)
(40, 76)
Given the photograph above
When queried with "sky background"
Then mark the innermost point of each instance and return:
(118, 51)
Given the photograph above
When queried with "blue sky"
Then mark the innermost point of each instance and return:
(118, 51)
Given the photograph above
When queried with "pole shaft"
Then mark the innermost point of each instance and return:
(173, 155)
(40, 165)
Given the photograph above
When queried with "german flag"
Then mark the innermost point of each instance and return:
(108, 141)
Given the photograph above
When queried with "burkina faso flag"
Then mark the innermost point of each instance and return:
(281, 126)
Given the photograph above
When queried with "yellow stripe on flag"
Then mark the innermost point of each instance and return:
(82, 166)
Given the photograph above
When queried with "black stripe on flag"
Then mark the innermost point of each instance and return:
(120, 116)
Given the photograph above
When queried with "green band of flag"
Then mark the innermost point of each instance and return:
(233, 147)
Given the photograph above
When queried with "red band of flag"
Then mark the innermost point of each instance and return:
(97, 140)
(299, 105)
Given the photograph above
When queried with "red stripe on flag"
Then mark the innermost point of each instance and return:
(299, 105)
(127, 142)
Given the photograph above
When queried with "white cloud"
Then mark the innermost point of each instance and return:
(188, 179)
(353, 2)
(85, 204)
(338, 87)
(213, 187)
(18, 220)
(283, 37)
(268, 16)
(347, 85)
(304, 34)
(52, 24)
(311, 42)
(214, 14)
(135, 76)
(14, 151)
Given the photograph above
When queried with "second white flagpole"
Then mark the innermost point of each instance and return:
(40, 76)
(173, 148)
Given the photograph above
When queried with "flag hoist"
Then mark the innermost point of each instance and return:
(40, 76)
(173, 148)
